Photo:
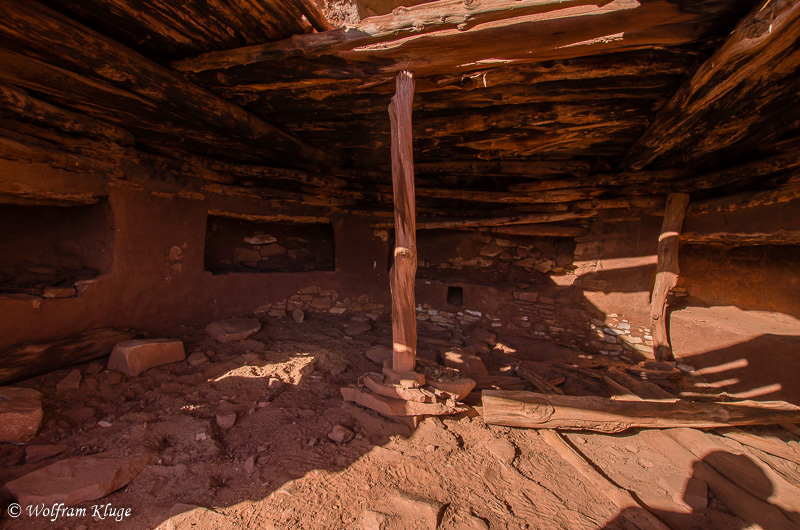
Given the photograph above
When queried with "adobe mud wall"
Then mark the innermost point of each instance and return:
(156, 279)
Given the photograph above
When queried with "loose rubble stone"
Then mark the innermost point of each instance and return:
(246, 254)
(71, 382)
(260, 239)
(338, 368)
(58, 292)
(356, 327)
(250, 464)
(226, 419)
(197, 358)
(485, 335)
(341, 434)
(233, 329)
(36, 453)
(113, 378)
(93, 368)
(491, 251)
(298, 315)
(75, 480)
(323, 302)
(20, 414)
(272, 250)
(132, 357)
(526, 296)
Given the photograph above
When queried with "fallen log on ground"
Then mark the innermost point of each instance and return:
(29, 360)
(547, 411)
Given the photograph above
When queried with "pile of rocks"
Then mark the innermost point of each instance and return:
(316, 299)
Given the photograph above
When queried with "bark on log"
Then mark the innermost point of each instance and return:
(707, 113)
(29, 360)
(454, 34)
(404, 318)
(547, 411)
(667, 275)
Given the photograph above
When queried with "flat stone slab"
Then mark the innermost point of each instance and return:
(35, 453)
(133, 357)
(233, 329)
(20, 414)
(76, 480)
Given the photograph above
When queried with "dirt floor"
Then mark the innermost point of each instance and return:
(277, 468)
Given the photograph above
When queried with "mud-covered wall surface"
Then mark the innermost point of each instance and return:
(149, 257)
(155, 278)
(734, 314)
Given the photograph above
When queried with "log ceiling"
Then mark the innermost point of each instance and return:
(524, 109)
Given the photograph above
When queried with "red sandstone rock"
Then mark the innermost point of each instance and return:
(226, 419)
(341, 434)
(272, 250)
(468, 364)
(20, 414)
(245, 254)
(378, 354)
(58, 292)
(71, 382)
(485, 335)
(197, 358)
(526, 296)
(133, 357)
(233, 329)
(356, 327)
(75, 480)
(260, 239)
(35, 453)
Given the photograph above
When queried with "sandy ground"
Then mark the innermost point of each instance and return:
(276, 467)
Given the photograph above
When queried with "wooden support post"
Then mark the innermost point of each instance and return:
(404, 321)
(667, 272)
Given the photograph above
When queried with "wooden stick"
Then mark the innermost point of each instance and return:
(546, 411)
(404, 321)
(638, 516)
(667, 275)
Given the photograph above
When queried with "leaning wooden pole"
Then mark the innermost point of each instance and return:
(404, 322)
(667, 272)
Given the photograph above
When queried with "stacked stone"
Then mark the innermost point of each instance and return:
(315, 299)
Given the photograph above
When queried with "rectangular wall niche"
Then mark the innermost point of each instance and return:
(46, 249)
(236, 245)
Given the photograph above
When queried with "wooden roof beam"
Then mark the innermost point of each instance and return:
(448, 35)
(735, 90)
(44, 34)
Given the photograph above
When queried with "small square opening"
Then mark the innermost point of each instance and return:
(455, 296)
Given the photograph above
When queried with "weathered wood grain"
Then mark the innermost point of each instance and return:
(667, 272)
(549, 411)
(747, 86)
(404, 268)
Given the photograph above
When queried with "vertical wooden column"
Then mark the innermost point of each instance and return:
(403, 273)
(667, 272)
